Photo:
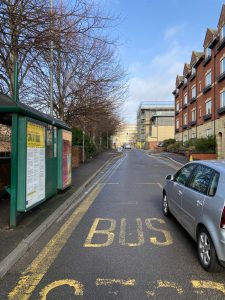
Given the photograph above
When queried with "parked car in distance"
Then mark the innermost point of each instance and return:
(127, 146)
(195, 196)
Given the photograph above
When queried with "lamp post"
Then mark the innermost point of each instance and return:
(51, 64)
(83, 153)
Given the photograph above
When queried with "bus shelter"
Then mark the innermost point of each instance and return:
(35, 156)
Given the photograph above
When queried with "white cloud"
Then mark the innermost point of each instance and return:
(172, 31)
(160, 82)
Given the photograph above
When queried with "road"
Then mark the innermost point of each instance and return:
(116, 245)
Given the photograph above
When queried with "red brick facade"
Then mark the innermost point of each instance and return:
(196, 73)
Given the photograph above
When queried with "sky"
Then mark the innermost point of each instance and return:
(156, 38)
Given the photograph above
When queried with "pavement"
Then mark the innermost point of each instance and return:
(174, 157)
(116, 244)
(14, 242)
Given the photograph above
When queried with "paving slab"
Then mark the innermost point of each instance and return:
(10, 238)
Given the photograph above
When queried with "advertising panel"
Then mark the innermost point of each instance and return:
(67, 148)
(35, 177)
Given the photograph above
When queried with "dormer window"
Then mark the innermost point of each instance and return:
(208, 52)
(192, 71)
(222, 32)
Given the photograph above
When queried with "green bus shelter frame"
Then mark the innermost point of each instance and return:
(12, 109)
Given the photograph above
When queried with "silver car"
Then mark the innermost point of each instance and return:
(195, 195)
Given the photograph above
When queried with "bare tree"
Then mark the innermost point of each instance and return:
(88, 81)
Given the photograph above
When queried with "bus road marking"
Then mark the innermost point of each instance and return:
(37, 269)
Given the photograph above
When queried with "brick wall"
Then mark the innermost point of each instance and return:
(76, 156)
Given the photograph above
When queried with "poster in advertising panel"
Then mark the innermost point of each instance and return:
(35, 180)
(67, 148)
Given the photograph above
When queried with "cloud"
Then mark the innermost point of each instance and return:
(172, 32)
(160, 81)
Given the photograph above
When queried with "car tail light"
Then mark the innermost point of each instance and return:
(222, 222)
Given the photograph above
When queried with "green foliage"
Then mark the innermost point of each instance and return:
(173, 147)
(90, 148)
(168, 142)
(77, 136)
(206, 145)
(201, 145)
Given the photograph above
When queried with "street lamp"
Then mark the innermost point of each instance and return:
(83, 153)
(51, 64)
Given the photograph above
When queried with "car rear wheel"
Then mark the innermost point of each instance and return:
(206, 252)
(165, 206)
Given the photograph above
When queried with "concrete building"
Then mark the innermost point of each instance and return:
(155, 123)
(200, 91)
(126, 134)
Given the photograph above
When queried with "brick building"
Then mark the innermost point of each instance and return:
(200, 91)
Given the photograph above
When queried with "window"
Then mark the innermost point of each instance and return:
(208, 107)
(185, 99)
(214, 184)
(222, 66)
(201, 179)
(177, 123)
(208, 132)
(208, 78)
(177, 106)
(208, 52)
(185, 138)
(193, 115)
(185, 119)
(222, 99)
(185, 80)
(222, 32)
(193, 135)
(193, 92)
(192, 71)
(183, 174)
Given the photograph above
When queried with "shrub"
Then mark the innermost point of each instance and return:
(206, 145)
(89, 147)
(168, 142)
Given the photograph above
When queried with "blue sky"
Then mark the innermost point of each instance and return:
(157, 37)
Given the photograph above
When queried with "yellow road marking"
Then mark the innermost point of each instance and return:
(154, 240)
(122, 237)
(202, 284)
(123, 282)
(35, 272)
(76, 285)
(108, 232)
(166, 284)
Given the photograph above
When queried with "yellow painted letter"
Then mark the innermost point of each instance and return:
(122, 238)
(107, 232)
(154, 240)
(78, 287)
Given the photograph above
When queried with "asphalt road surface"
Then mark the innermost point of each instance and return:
(116, 245)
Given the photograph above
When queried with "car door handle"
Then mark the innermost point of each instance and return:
(180, 193)
(199, 203)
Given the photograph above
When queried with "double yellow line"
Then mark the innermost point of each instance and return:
(35, 272)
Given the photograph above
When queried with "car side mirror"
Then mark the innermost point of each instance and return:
(169, 177)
